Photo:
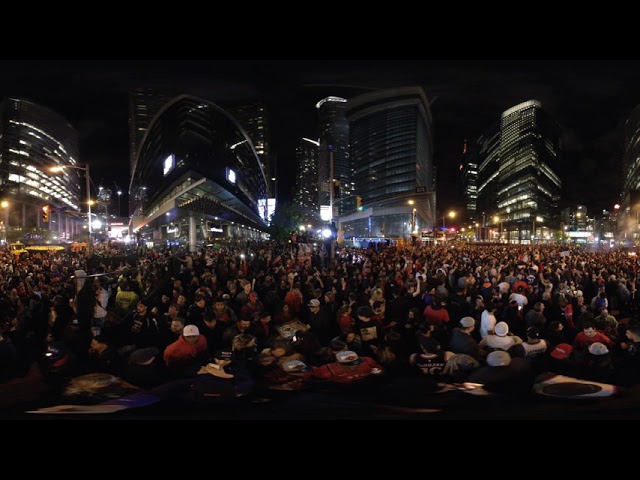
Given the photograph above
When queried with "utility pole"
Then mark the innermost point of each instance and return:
(331, 183)
(333, 240)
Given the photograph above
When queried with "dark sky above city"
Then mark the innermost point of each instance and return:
(590, 99)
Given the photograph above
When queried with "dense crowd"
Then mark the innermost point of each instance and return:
(259, 319)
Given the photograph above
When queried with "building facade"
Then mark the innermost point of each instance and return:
(253, 118)
(529, 189)
(518, 190)
(629, 220)
(202, 177)
(391, 149)
(144, 103)
(306, 187)
(33, 140)
(333, 155)
(469, 180)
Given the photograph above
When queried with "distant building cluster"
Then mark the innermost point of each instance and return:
(201, 171)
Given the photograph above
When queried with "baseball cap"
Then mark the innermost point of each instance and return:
(498, 358)
(533, 332)
(347, 356)
(294, 366)
(562, 351)
(314, 302)
(598, 348)
(467, 322)
(501, 329)
(190, 331)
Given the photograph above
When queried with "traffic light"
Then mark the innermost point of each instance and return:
(45, 213)
(359, 206)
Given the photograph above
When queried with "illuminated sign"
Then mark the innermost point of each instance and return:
(231, 176)
(579, 234)
(168, 164)
(173, 230)
(325, 212)
(216, 229)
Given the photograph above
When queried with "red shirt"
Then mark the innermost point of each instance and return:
(435, 315)
(345, 373)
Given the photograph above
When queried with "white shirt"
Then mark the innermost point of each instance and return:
(500, 343)
(487, 323)
(521, 299)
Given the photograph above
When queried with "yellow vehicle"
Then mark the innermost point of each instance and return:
(16, 248)
(44, 248)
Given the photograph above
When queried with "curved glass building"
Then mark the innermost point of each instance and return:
(197, 176)
(33, 139)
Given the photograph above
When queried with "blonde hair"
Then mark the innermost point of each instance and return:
(95, 384)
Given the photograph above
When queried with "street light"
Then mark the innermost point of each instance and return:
(413, 217)
(119, 191)
(451, 214)
(88, 186)
(4, 204)
(497, 219)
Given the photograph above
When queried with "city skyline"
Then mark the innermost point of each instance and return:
(590, 100)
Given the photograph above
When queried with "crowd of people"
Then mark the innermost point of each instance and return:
(256, 320)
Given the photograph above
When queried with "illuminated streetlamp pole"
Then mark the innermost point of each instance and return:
(5, 205)
(452, 215)
(497, 219)
(88, 187)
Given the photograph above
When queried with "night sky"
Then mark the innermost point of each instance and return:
(590, 99)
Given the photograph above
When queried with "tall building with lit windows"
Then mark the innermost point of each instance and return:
(528, 188)
(333, 153)
(33, 139)
(253, 118)
(144, 103)
(629, 219)
(631, 158)
(469, 180)
(201, 176)
(488, 148)
(391, 149)
(306, 188)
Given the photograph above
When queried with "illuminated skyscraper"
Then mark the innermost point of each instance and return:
(391, 148)
(488, 163)
(333, 129)
(144, 103)
(254, 120)
(33, 139)
(306, 189)
(469, 178)
(518, 191)
(629, 218)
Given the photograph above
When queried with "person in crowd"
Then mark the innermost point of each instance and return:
(144, 370)
(369, 331)
(488, 320)
(224, 315)
(103, 356)
(463, 342)
(500, 339)
(185, 356)
(587, 336)
(347, 368)
(196, 310)
(629, 359)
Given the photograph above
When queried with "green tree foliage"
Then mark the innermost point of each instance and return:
(285, 220)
